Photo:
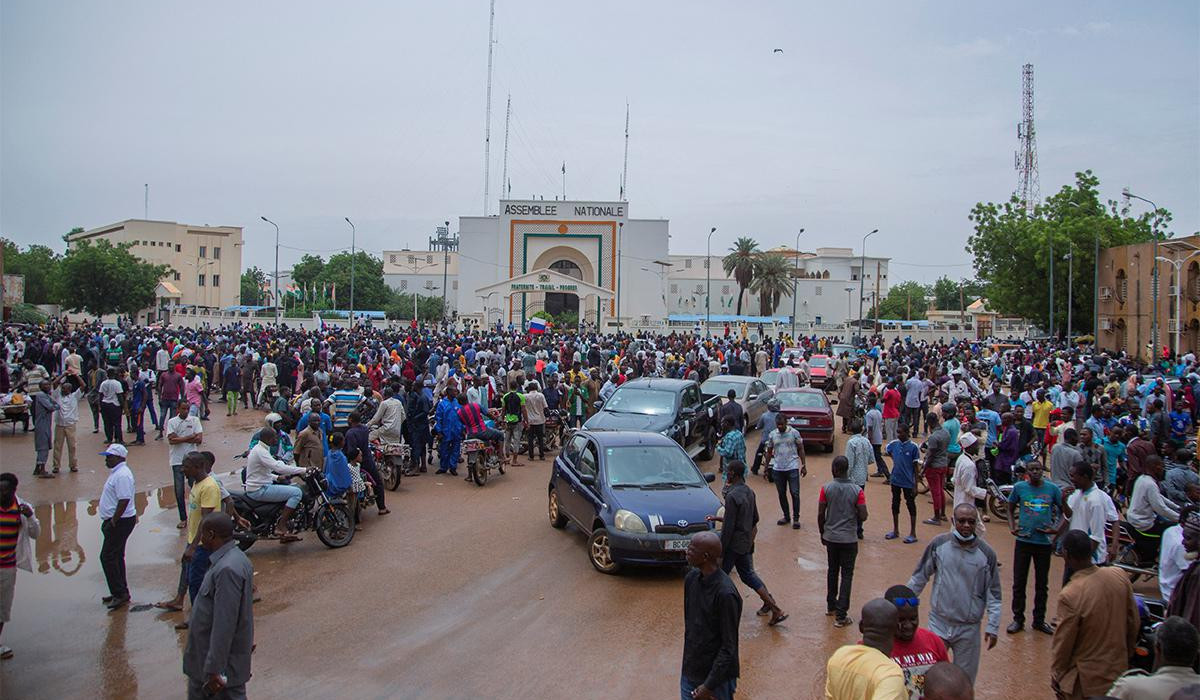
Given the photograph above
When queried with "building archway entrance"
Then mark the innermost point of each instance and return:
(558, 303)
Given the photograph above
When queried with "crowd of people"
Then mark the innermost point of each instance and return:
(1098, 449)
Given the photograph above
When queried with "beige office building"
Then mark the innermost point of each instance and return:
(205, 261)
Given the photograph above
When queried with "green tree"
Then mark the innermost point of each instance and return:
(904, 301)
(308, 270)
(740, 263)
(400, 307)
(370, 291)
(946, 293)
(772, 281)
(252, 284)
(1011, 248)
(40, 266)
(102, 279)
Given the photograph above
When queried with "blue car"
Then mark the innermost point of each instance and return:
(637, 496)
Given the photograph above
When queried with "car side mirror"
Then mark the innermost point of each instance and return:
(710, 478)
(587, 479)
(752, 397)
(687, 412)
(598, 405)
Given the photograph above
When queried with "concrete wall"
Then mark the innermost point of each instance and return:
(1126, 292)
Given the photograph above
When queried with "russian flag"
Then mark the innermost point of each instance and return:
(537, 325)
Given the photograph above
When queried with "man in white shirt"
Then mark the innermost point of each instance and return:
(110, 391)
(66, 394)
(269, 374)
(117, 518)
(966, 488)
(1089, 509)
(1173, 558)
(1149, 513)
(184, 434)
(261, 469)
(162, 360)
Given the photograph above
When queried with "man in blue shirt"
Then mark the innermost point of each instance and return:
(450, 428)
(1038, 505)
(904, 455)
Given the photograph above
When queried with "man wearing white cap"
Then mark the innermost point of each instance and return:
(117, 518)
(966, 488)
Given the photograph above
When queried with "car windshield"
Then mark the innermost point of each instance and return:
(721, 388)
(651, 466)
(770, 378)
(800, 399)
(816, 362)
(645, 401)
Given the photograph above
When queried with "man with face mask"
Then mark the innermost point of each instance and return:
(915, 648)
(17, 525)
(966, 585)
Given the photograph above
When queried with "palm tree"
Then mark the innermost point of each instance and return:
(772, 281)
(740, 263)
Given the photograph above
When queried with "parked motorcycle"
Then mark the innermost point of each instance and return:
(330, 518)
(392, 460)
(1151, 613)
(1127, 555)
(482, 458)
(554, 428)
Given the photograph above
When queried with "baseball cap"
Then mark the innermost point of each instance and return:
(116, 450)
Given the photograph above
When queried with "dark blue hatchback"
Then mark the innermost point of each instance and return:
(637, 496)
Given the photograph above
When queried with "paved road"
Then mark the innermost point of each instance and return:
(461, 592)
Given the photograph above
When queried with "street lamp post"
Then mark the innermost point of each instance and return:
(620, 239)
(1154, 273)
(1178, 265)
(708, 281)
(1070, 258)
(353, 233)
(275, 296)
(416, 270)
(795, 273)
(862, 269)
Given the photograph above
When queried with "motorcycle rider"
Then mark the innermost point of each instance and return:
(261, 469)
(386, 424)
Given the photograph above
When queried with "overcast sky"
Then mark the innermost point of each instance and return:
(890, 115)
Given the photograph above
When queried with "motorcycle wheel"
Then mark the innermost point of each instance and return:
(479, 472)
(998, 507)
(1129, 557)
(334, 525)
(245, 540)
(390, 473)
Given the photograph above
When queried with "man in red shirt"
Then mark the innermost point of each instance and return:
(915, 648)
(891, 410)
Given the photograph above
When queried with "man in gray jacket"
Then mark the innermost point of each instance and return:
(966, 584)
(221, 630)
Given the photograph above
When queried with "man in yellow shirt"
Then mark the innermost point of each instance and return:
(1041, 416)
(866, 671)
(205, 497)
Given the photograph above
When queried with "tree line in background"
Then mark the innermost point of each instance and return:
(318, 285)
(98, 278)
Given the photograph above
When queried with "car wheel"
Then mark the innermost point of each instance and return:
(710, 448)
(554, 510)
(600, 552)
(829, 447)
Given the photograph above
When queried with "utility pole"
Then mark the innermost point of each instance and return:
(1154, 278)
(620, 240)
(708, 281)
(1070, 256)
(795, 275)
(862, 269)
(875, 323)
(353, 233)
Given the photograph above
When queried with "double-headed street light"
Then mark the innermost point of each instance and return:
(1154, 290)
(795, 273)
(275, 296)
(862, 269)
(353, 232)
(1178, 265)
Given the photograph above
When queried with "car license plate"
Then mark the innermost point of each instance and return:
(676, 545)
(800, 421)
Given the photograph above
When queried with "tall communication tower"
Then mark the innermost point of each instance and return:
(487, 126)
(1025, 160)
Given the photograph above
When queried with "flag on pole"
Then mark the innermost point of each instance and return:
(333, 294)
(537, 325)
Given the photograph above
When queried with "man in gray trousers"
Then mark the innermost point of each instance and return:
(221, 630)
(966, 584)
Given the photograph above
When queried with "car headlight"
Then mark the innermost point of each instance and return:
(720, 514)
(628, 521)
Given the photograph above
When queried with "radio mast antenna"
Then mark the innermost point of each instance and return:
(504, 168)
(1026, 162)
(625, 167)
(487, 127)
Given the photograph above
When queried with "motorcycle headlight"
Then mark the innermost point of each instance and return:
(720, 514)
(628, 521)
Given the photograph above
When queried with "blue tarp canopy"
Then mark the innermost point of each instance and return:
(727, 318)
(358, 313)
(247, 309)
(903, 323)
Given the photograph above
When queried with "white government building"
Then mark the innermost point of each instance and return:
(560, 256)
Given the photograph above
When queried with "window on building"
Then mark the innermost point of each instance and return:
(454, 285)
(674, 289)
(706, 263)
(817, 293)
(429, 284)
(412, 259)
(428, 258)
(203, 251)
(216, 254)
(176, 276)
(392, 259)
(403, 284)
(725, 290)
(178, 248)
(200, 281)
(687, 264)
(216, 281)
(145, 242)
(699, 289)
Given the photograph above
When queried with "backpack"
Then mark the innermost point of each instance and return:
(512, 407)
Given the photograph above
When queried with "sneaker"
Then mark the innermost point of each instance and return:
(842, 621)
(782, 521)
